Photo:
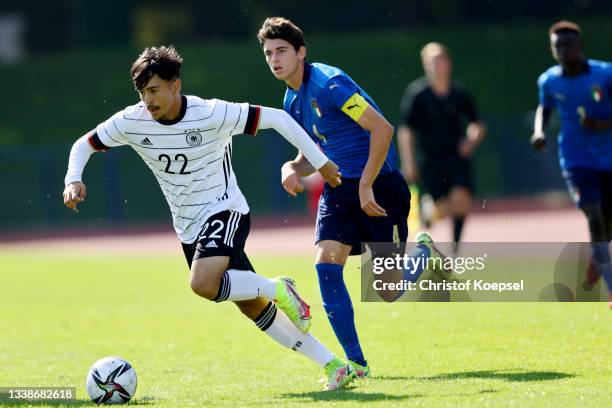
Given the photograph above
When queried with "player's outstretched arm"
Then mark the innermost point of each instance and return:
(540, 125)
(284, 124)
(75, 191)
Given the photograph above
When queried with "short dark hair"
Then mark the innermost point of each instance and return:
(280, 27)
(162, 61)
(564, 26)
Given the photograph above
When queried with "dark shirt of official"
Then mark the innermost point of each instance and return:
(439, 122)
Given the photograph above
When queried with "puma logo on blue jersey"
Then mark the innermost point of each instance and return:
(356, 105)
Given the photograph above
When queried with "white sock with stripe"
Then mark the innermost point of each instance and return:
(277, 325)
(244, 285)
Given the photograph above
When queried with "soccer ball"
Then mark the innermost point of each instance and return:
(111, 380)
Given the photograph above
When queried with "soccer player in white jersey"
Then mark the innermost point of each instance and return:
(186, 141)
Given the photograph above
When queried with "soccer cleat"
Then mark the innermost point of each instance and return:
(288, 300)
(609, 300)
(435, 254)
(359, 370)
(338, 373)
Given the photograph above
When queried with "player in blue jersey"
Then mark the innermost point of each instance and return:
(580, 89)
(373, 201)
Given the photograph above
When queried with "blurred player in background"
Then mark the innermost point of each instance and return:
(372, 203)
(580, 90)
(186, 141)
(439, 120)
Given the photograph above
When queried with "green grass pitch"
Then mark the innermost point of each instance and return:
(59, 312)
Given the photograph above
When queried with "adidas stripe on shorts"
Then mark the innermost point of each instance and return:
(223, 234)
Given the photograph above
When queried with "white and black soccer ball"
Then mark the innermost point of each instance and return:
(111, 380)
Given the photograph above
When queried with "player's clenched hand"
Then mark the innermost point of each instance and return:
(74, 193)
(291, 181)
(538, 141)
(368, 203)
(331, 174)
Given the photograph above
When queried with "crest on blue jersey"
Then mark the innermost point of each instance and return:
(596, 93)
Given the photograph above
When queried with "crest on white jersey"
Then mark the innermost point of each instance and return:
(193, 138)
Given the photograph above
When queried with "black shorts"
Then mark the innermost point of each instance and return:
(223, 234)
(341, 218)
(440, 174)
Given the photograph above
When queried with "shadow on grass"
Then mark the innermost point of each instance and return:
(349, 395)
(392, 377)
(506, 375)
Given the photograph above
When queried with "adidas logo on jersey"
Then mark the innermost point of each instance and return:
(146, 142)
(211, 244)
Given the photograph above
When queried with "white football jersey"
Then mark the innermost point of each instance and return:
(190, 157)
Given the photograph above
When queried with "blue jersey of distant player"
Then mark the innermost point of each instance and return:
(318, 107)
(589, 94)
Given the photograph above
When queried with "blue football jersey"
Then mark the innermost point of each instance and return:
(588, 94)
(322, 106)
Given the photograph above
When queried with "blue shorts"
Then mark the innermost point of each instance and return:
(590, 186)
(340, 217)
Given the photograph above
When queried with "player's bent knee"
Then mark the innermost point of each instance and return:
(332, 252)
(206, 274)
(205, 283)
(204, 288)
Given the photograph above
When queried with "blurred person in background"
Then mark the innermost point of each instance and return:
(439, 130)
(580, 90)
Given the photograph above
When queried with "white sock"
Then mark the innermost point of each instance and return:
(277, 325)
(243, 285)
